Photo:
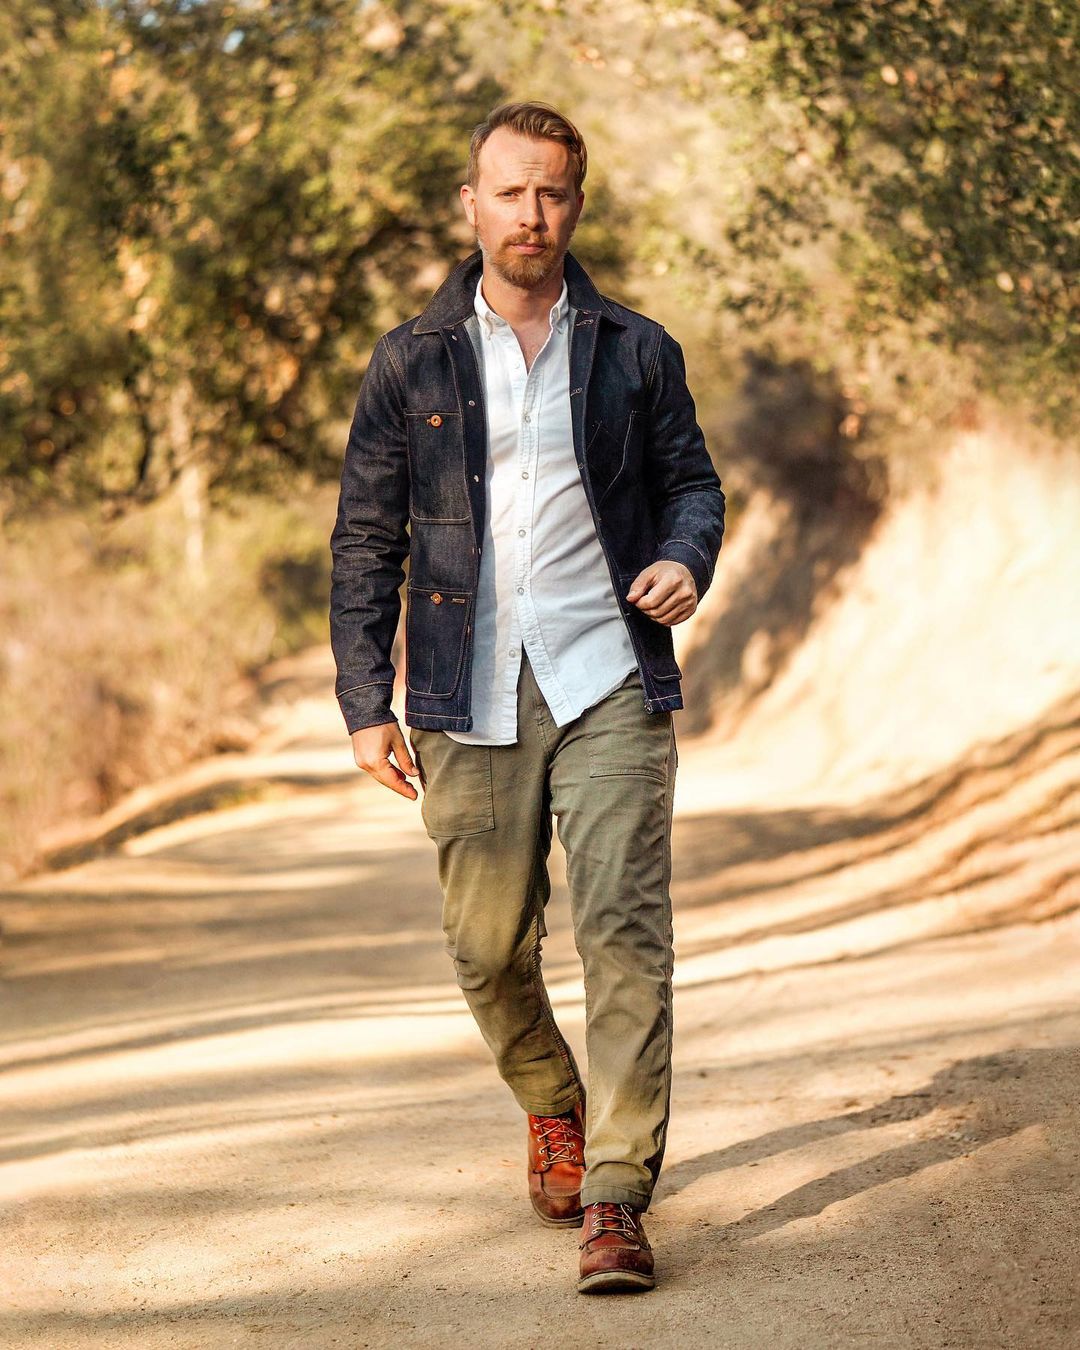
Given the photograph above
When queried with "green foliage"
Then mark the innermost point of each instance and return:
(208, 210)
(207, 213)
(936, 145)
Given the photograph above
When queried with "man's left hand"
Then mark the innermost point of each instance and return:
(665, 591)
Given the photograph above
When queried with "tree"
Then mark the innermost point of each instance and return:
(936, 146)
(207, 212)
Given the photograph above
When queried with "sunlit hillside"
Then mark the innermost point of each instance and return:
(952, 629)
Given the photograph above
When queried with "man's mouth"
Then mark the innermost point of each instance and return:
(528, 248)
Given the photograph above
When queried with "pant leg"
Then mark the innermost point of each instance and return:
(612, 782)
(488, 809)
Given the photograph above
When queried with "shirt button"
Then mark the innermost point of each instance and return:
(521, 532)
(521, 590)
(524, 473)
(528, 417)
(476, 478)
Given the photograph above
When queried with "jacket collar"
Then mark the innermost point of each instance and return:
(453, 302)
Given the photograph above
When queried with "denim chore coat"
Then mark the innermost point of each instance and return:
(413, 484)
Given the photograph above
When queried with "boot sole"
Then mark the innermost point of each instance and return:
(615, 1281)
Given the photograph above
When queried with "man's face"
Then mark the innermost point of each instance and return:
(524, 208)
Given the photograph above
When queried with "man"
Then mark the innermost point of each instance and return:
(532, 445)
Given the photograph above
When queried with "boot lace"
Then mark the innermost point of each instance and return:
(558, 1139)
(611, 1217)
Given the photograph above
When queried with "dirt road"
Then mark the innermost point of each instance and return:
(244, 1101)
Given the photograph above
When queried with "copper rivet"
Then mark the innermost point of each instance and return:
(436, 599)
(435, 420)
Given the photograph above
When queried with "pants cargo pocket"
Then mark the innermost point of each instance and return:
(458, 798)
(622, 738)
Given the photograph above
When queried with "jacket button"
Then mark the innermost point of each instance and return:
(435, 420)
(436, 599)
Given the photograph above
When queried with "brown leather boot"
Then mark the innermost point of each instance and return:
(615, 1253)
(557, 1166)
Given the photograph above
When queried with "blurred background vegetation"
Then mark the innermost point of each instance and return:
(861, 221)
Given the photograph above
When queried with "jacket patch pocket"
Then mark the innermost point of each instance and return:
(437, 622)
(437, 488)
(612, 458)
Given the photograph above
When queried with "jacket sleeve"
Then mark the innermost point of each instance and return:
(684, 489)
(369, 544)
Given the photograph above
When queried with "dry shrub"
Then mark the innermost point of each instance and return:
(121, 658)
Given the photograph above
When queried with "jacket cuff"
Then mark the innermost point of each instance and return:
(678, 550)
(366, 706)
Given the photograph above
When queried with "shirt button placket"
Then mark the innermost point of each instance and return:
(528, 440)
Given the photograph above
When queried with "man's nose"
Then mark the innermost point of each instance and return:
(532, 214)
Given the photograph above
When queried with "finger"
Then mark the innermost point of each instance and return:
(670, 612)
(674, 616)
(401, 751)
(641, 584)
(665, 610)
(665, 589)
(391, 776)
(681, 596)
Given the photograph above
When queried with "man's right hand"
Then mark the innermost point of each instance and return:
(372, 747)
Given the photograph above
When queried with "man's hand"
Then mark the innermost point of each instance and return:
(665, 591)
(372, 747)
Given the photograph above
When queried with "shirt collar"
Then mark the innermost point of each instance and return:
(490, 320)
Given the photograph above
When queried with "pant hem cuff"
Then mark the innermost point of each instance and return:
(561, 1106)
(620, 1195)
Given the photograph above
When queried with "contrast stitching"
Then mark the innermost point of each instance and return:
(393, 360)
(690, 544)
(655, 361)
(369, 685)
(678, 539)
(634, 413)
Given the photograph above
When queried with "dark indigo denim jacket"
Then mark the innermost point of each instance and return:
(413, 484)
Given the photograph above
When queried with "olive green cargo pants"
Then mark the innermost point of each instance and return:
(609, 778)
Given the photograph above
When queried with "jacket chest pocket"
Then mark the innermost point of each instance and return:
(614, 453)
(436, 626)
(437, 489)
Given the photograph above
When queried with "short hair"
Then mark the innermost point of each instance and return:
(538, 120)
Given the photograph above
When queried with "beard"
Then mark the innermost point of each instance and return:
(527, 270)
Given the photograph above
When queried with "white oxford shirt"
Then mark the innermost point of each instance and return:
(544, 582)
